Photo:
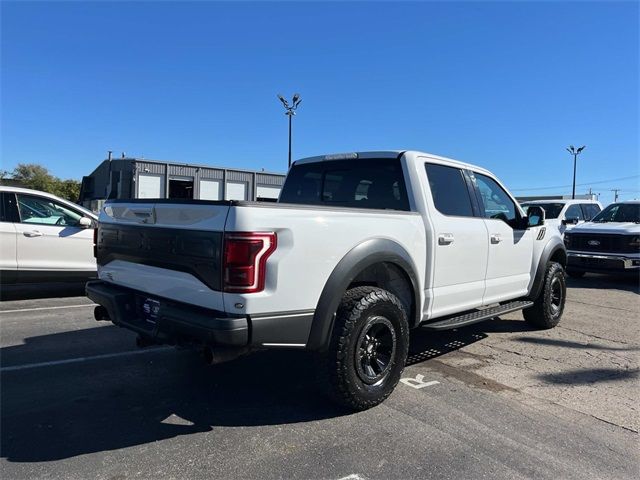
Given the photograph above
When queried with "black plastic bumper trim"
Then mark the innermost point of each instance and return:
(176, 322)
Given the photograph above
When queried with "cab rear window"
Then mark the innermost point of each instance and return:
(366, 183)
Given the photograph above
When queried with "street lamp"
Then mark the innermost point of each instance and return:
(290, 112)
(575, 152)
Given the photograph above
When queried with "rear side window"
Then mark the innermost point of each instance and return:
(551, 210)
(374, 183)
(574, 211)
(449, 190)
(590, 210)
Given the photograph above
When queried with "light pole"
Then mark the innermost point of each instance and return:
(575, 152)
(290, 112)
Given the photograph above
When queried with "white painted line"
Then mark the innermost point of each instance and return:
(48, 308)
(353, 476)
(82, 359)
(418, 382)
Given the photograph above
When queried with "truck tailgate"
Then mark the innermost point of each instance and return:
(166, 249)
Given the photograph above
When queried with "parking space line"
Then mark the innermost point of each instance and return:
(82, 359)
(47, 308)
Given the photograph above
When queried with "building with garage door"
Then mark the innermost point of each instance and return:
(141, 178)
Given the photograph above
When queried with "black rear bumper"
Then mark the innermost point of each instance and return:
(176, 323)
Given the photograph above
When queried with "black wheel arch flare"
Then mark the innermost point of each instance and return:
(554, 248)
(364, 255)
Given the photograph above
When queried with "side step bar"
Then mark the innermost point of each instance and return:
(475, 316)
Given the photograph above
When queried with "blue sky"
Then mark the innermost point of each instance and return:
(506, 85)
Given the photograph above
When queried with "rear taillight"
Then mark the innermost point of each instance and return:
(245, 258)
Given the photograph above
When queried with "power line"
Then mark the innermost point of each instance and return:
(577, 184)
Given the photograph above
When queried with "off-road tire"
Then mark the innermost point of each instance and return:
(575, 273)
(343, 375)
(548, 307)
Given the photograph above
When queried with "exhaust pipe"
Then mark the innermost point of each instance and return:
(100, 313)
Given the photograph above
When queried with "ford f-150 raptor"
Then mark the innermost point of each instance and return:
(360, 249)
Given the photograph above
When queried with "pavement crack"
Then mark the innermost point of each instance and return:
(602, 306)
(592, 335)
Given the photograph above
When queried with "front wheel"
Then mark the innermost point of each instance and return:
(368, 348)
(548, 307)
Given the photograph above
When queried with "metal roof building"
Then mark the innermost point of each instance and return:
(141, 178)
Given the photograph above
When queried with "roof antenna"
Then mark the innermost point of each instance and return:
(110, 155)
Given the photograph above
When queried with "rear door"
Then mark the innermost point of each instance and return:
(461, 242)
(49, 237)
(510, 246)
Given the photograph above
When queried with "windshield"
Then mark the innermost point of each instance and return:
(619, 212)
(551, 210)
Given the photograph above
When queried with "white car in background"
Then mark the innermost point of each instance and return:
(565, 214)
(44, 238)
(610, 243)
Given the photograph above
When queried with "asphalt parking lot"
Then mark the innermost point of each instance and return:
(494, 400)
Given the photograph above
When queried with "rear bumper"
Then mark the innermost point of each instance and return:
(603, 263)
(175, 323)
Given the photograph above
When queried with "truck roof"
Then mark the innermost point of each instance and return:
(389, 154)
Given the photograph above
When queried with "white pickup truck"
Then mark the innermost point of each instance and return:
(360, 249)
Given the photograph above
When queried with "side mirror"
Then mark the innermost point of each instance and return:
(85, 222)
(535, 216)
(570, 221)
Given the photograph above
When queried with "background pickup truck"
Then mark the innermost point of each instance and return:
(360, 249)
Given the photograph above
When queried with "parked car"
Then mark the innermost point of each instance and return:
(44, 238)
(610, 243)
(565, 214)
(360, 249)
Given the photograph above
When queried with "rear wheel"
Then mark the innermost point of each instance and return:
(548, 307)
(368, 348)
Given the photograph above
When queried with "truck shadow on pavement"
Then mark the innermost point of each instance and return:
(61, 411)
(29, 291)
(426, 345)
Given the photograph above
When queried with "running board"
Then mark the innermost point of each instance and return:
(475, 316)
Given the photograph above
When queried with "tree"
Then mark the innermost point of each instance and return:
(34, 176)
(37, 177)
(69, 189)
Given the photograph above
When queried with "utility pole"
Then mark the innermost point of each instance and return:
(615, 194)
(575, 152)
(290, 112)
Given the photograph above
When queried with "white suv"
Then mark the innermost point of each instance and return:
(565, 214)
(44, 238)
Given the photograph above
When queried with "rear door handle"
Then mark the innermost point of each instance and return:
(496, 238)
(34, 233)
(445, 239)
